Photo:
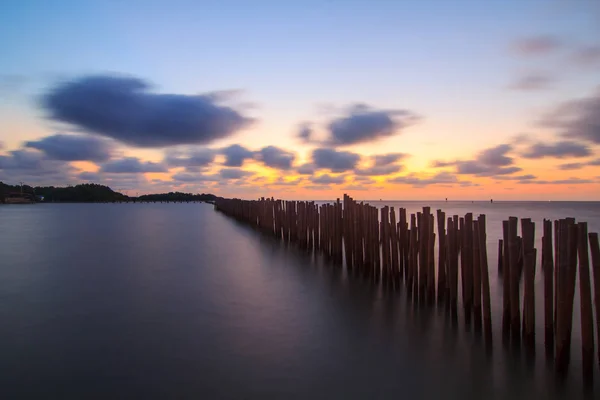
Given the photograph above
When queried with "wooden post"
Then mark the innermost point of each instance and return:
(529, 255)
(477, 320)
(548, 265)
(585, 296)
(513, 253)
(442, 265)
(595, 250)
(500, 256)
(485, 282)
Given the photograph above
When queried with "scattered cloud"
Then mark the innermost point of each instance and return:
(562, 149)
(235, 155)
(190, 158)
(306, 169)
(335, 161)
(532, 81)
(356, 187)
(594, 162)
(571, 166)
(73, 148)
(587, 56)
(570, 181)
(194, 178)
(363, 124)
(379, 171)
(414, 180)
(536, 45)
(382, 160)
(317, 187)
(124, 108)
(234, 173)
(328, 179)
(515, 177)
(131, 165)
(275, 157)
(305, 133)
(489, 162)
(578, 119)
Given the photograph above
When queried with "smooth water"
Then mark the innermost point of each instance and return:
(178, 301)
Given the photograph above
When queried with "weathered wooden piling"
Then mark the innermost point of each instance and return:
(392, 249)
(485, 281)
(585, 298)
(595, 250)
(548, 265)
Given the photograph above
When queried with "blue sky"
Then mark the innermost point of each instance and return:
(452, 62)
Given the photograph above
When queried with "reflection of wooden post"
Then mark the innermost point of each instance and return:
(585, 296)
(547, 259)
(595, 250)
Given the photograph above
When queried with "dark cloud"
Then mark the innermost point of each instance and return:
(131, 165)
(571, 166)
(328, 179)
(73, 148)
(439, 178)
(305, 133)
(306, 169)
(34, 168)
(233, 173)
(562, 149)
(282, 182)
(532, 81)
(379, 171)
(317, 187)
(22, 160)
(235, 155)
(489, 162)
(363, 124)
(364, 180)
(516, 178)
(480, 169)
(89, 176)
(496, 156)
(382, 160)
(335, 161)
(442, 164)
(356, 187)
(587, 56)
(275, 157)
(190, 158)
(594, 162)
(570, 181)
(536, 45)
(194, 178)
(124, 109)
(579, 119)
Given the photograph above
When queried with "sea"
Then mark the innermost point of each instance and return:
(178, 301)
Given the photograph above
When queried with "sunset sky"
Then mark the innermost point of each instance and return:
(392, 99)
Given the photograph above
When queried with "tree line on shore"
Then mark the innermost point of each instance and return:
(94, 193)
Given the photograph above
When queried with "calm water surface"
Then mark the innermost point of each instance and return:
(177, 301)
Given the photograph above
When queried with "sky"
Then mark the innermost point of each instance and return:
(380, 99)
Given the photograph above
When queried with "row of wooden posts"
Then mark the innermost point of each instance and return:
(399, 250)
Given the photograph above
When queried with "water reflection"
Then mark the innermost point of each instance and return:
(105, 301)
